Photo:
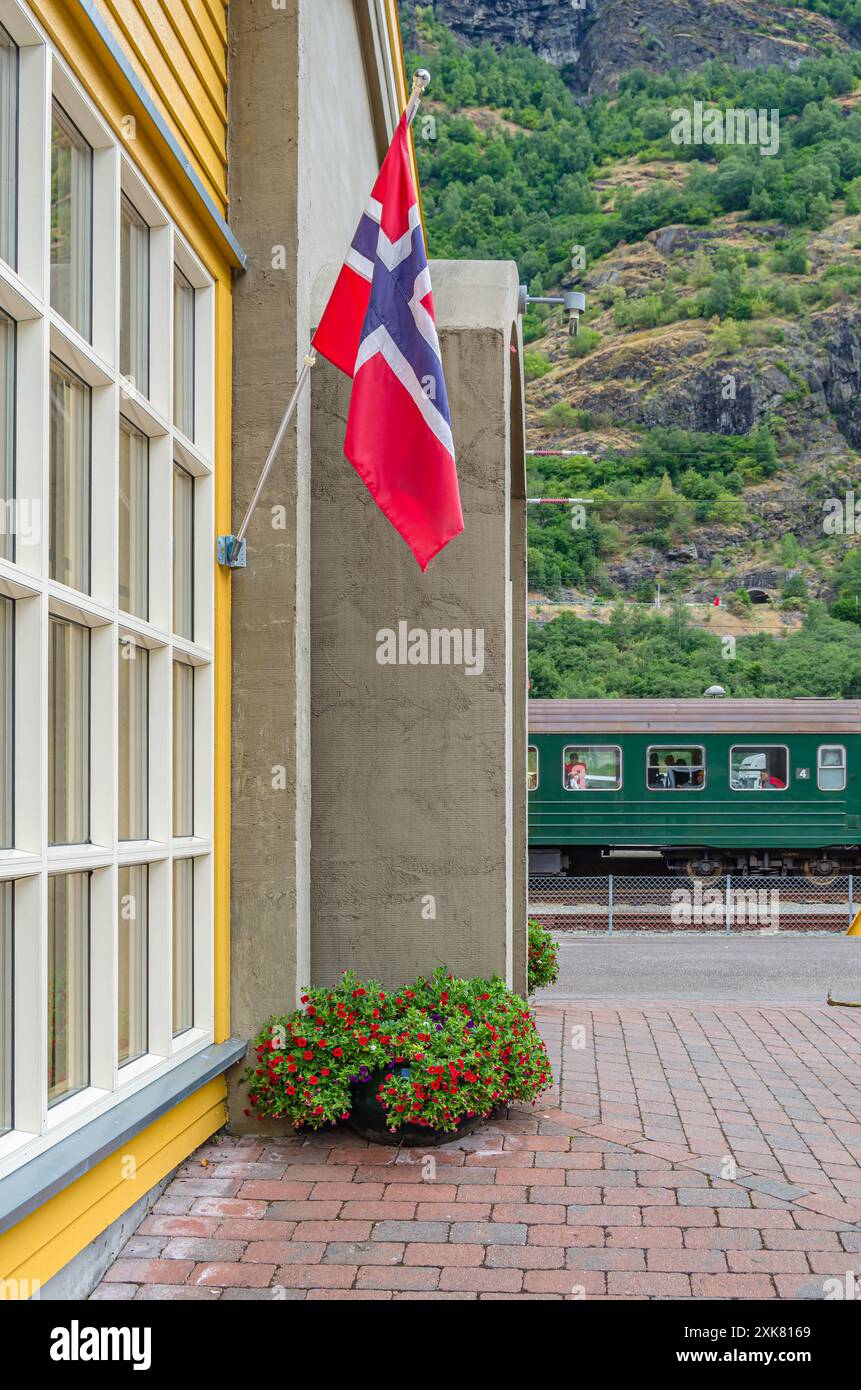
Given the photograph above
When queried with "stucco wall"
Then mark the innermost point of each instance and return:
(417, 771)
(304, 152)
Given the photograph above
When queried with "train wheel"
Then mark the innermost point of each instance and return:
(705, 867)
(821, 871)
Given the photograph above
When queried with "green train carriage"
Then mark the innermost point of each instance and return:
(697, 787)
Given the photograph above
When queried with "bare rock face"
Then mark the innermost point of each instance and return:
(554, 29)
(597, 41)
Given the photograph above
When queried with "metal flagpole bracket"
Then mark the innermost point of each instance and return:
(231, 552)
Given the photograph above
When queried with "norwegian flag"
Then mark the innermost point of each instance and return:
(379, 328)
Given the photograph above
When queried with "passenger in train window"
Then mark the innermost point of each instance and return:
(575, 776)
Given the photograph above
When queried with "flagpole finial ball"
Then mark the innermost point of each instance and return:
(421, 78)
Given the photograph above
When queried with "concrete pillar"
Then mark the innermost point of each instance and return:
(418, 827)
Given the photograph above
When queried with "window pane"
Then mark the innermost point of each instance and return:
(183, 552)
(676, 769)
(7, 706)
(183, 944)
(71, 222)
(134, 296)
(68, 985)
(183, 749)
(592, 768)
(7, 438)
(68, 733)
(70, 479)
(134, 521)
(132, 966)
(757, 768)
(8, 147)
(133, 741)
(832, 769)
(183, 353)
(6, 962)
(531, 769)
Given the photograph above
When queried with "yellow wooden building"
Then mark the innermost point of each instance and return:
(126, 256)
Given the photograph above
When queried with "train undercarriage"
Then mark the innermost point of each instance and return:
(697, 861)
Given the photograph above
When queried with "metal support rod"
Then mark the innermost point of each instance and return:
(276, 445)
(728, 904)
(609, 904)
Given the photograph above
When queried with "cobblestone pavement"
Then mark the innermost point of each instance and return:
(620, 1185)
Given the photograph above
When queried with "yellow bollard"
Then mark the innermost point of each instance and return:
(855, 927)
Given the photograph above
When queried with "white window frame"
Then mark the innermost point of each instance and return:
(533, 748)
(25, 297)
(601, 747)
(754, 747)
(678, 748)
(830, 748)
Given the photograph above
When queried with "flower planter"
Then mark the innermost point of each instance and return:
(368, 1118)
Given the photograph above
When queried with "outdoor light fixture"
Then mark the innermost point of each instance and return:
(573, 301)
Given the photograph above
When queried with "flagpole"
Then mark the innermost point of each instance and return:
(231, 550)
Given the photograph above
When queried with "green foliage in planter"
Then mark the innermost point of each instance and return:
(470, 1044)
(543, 966)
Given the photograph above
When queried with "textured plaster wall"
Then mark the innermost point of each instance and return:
(417, 771)
(303, 156)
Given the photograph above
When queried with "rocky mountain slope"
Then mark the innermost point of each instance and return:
(596, 41)
(710, 407)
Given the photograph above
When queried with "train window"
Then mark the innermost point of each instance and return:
(591, 768)
(531, 769)
(676, 769)
(758, 767)
(831, 767)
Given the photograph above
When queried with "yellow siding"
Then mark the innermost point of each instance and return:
(44, 1242)
(165, 45)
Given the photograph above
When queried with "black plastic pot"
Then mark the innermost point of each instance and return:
(368, 1118)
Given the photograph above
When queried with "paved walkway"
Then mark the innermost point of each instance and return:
(690, 1151)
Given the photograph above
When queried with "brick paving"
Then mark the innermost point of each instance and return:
(620, 1185)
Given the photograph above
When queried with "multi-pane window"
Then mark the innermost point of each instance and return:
(7, 437)
(134, 296)
(68, 985)
(183, 749)
(106, 619)
(133, 740)
(8, 147)
(183, 552)
(183, 945)
(134, 520)
(7, 961)
(69, 500)
(183, 353)
(68, 732)
(132, 964)
(71, 222)
(7, 707)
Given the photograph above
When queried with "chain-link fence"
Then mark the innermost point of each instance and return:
(627, 903)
